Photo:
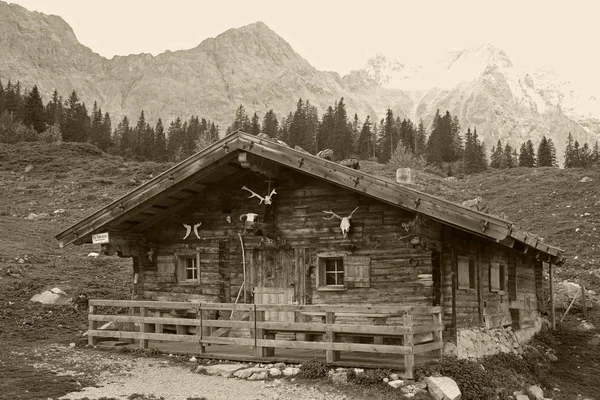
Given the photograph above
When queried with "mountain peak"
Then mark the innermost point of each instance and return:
(479, 57)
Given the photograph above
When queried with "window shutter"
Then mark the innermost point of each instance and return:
(357, 271)
(463, 273)
(166, 268)
(494, 277)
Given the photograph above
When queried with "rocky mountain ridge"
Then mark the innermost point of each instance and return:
(255, 67)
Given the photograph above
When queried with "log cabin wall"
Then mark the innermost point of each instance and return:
(511, 297)
(398, 271)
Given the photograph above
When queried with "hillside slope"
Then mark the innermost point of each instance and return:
(47, 187)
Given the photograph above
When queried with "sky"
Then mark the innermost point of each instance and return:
(342, 35)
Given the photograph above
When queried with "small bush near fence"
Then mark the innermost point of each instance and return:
(314, 369)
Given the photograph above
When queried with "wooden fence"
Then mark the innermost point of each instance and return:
(334, 329)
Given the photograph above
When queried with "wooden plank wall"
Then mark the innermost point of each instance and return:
(480, 306)
(297, 212)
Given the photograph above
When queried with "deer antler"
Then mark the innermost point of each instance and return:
(254, 194)
(350, 216)
(332, 215)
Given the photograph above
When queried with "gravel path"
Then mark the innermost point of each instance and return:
(175, 382)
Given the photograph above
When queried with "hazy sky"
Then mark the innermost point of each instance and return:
(342, 35)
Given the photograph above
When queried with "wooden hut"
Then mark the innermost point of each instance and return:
(249, 220)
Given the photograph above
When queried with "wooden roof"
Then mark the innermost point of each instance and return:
(184, 183)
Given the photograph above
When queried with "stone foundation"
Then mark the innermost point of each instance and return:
(479, 342)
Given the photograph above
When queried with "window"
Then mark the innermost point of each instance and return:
(188, 267)
(497, 278)
(334, 271)
(466, 273)
(339, 271)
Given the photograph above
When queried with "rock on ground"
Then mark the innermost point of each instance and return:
(224, 370)
(443, 388)
(536, 392)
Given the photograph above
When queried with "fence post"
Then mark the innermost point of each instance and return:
(143, 342)
(330, 354)
(92, 325)
(409, 359)
(199, 328)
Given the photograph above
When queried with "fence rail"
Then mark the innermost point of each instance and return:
(333, 329)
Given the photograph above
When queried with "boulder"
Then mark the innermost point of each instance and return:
(224, 370)
(281, 366)
(52, 296)
(326, 154)
(259, 376)
(443, 388)
(396, 384)
(586, 179)
(521, 397)
(247, 372)
(275, 372)
(291, 371)
(535, 392)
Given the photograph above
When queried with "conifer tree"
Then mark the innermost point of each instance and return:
(356, 129)
(365, 143)
(255, 125)
(527, 155)
(388, 137)
(342, 133)
(325, 132)
(420, 139)
(569, 152)
(175, 140)
(510, 156)
(553, 160)
(435, 142)
(54, 110)
(498, 159)
(159, 153)
(544, 153)
(270, 124)
(33, 112)
(575, 155)
(76, 121)
(596, 155)
(122, 137)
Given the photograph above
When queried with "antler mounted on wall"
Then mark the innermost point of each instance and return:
(267, 199)
(188, 230)
(345, 224)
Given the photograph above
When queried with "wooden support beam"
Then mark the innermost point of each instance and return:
(552, 308)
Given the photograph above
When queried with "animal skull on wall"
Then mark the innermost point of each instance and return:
(188, 230)
(345, 224)
(267, 199)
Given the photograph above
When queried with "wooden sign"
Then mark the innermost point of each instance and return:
(100, 238)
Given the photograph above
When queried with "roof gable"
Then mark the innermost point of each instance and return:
(183, 183)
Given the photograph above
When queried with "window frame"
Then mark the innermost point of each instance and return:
(182, 267)
(322, 261)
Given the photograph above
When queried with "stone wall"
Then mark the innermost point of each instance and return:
(475, 343)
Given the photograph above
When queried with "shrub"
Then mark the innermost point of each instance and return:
(471, 378)
(314, 369)
(369, 377)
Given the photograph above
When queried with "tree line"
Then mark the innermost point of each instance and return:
(24, 117)
(394, 139)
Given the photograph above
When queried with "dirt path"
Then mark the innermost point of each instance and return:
(93, 374)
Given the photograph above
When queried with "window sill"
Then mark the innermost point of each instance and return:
(189, 283)
(332, 289)
(467, 290)
(498, 291)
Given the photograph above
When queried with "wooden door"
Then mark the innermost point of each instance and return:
(277, 276)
